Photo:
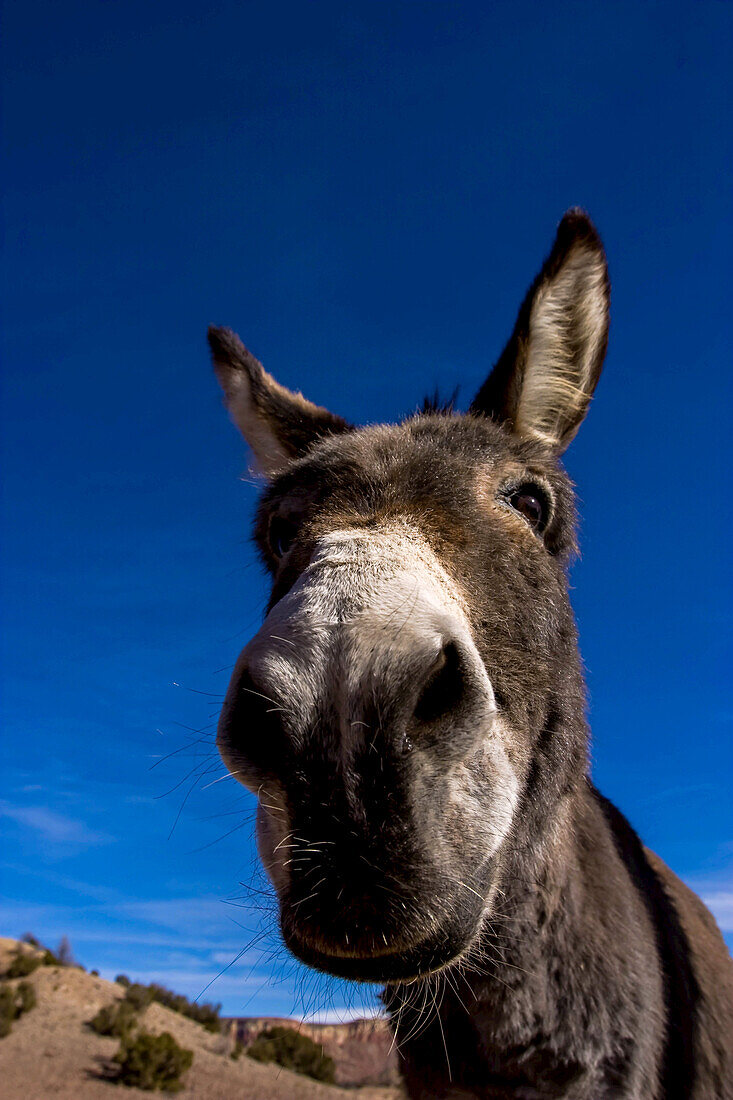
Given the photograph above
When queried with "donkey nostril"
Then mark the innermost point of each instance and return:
(251, 730)
(444, 687)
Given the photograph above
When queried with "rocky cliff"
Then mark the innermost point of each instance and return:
(362, 1049)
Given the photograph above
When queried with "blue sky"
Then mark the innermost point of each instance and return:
(364, 191)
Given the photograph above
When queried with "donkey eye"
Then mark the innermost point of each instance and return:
(531, 503)
(281, 535)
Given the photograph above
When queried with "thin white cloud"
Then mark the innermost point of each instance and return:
(347, 1013)
(192, 980)
(716, 891)
(720, 904)
(257, 991)
(203, 925)
(55, 828)
(206, 914)
(75, 886)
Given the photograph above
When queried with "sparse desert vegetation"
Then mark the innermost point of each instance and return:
(151, 1062)
(117, 1019)
(140, 996)
(86, 1037)
(22, 964)
(286, 1047)
(27, 957)
(18, 997)
(14, 1001)
(143, 1060)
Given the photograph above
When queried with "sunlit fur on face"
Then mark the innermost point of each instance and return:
(411, 717)
(396, 712)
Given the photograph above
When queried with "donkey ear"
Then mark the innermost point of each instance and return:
(544, 380)
(279, 425)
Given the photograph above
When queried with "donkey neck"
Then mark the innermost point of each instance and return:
(548, 1001)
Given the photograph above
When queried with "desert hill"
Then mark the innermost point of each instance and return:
(51, 1052)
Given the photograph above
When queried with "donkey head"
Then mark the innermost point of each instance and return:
(410, 714)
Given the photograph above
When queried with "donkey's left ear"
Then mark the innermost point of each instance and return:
(542, 384)
(278, 424)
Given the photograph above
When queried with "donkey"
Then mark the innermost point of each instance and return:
(411, 717)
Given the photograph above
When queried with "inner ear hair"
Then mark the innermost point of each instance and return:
(543, 382)
(278, 424)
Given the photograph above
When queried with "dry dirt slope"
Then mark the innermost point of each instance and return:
(52, 1055)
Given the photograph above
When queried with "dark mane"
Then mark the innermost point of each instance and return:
(435, 405)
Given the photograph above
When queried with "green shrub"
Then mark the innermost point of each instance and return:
(139, 996)
(152, 1061)
(119, 1018)
(22, 964)
(31, 961)
(13, 1003)
(205, 1014)
(116, 1019)
(7, 1010)
(94, 973)
(26, 995)
(294, 1051)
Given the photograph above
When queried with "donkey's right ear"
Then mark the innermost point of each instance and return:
(545, 377)
(278, 424)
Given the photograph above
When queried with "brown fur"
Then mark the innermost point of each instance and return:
(426, 812)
